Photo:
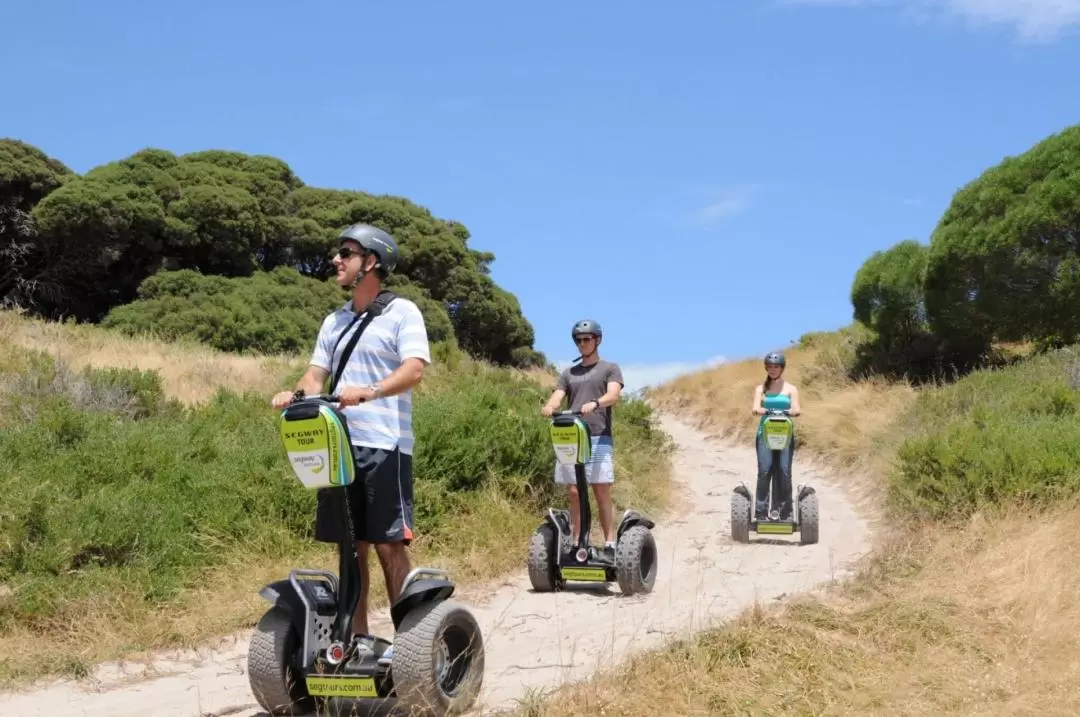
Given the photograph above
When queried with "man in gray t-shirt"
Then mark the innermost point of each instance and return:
(593, 387)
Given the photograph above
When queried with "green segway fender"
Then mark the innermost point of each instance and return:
(570, 439)
(317, 442)
(777, 431)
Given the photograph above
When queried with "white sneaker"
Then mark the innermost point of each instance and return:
(364, 645)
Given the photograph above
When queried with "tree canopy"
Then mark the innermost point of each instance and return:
(105, 244)
(1003, 264)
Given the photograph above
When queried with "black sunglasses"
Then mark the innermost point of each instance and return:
(345, 252)
(583, 339)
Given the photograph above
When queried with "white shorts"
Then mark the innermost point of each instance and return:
(600, 469)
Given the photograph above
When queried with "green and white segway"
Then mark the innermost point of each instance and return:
(778, 430)
(551, 566)
(303, 651)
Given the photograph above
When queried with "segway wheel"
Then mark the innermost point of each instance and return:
(543, 551)
(438, 664)
(635, 560)
(808, 517)
(277, 688)
(740, 518)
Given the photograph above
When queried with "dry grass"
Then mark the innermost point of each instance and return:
(911, 635)
(190, 372)
(844, 423)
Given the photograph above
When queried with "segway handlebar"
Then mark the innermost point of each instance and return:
(777, 412)
(575, 414)
(329, 398)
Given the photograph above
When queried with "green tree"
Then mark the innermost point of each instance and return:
(232, 215)
(887, 297)
(1004, 261)
(279, 311)
(27, 175)
(887, 294)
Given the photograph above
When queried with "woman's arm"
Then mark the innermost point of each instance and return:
(755, 405)
(796, 406)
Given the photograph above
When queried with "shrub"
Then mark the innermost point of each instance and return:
(997, 436)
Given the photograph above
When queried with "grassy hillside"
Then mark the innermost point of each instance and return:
(845, 423)
(968, 607)
(147, 498)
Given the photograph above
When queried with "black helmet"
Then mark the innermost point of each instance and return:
(587, 326)
(775, 358)
(373, 240)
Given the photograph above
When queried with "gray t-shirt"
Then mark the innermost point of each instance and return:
(588, 383)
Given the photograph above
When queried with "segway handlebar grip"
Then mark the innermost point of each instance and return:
(575, 414)
(300, 396)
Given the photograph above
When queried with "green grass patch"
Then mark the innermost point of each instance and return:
(118, 500)
(996, 437)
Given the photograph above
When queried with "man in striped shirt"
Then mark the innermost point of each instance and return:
(376, 399)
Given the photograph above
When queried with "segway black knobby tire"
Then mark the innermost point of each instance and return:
(543, 551)
(277, 688)
(635, 561)
(740, 517)
(808, 518)
(417, 647)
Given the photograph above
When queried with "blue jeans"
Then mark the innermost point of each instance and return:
(765, 463)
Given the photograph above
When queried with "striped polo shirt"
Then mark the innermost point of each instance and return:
(393, 336)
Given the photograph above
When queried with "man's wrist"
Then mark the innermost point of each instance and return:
(376, 389)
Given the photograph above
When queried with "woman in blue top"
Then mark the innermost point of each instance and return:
(774, 394)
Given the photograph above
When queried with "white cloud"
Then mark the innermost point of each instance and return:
(637, 376)
(1033, 19)
(725, 202)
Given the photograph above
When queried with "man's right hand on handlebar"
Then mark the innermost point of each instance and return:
(546, 411)
(282, 399)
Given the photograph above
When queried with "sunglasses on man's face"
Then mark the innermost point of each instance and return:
(584, 339)
(345, 252)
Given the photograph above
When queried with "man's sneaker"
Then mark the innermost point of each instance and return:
(365, 645)
(609, 551)
(388, 656)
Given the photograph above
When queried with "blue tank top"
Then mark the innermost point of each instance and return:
(776, 402)
(773, 402)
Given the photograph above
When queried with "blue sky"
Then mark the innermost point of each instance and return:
(704, 181)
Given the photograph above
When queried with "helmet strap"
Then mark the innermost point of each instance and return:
(361, 272)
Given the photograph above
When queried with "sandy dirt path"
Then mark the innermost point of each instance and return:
(540, 641)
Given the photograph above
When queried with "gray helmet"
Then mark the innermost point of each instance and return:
(775, 358)
(587, 326)
(376, 241)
